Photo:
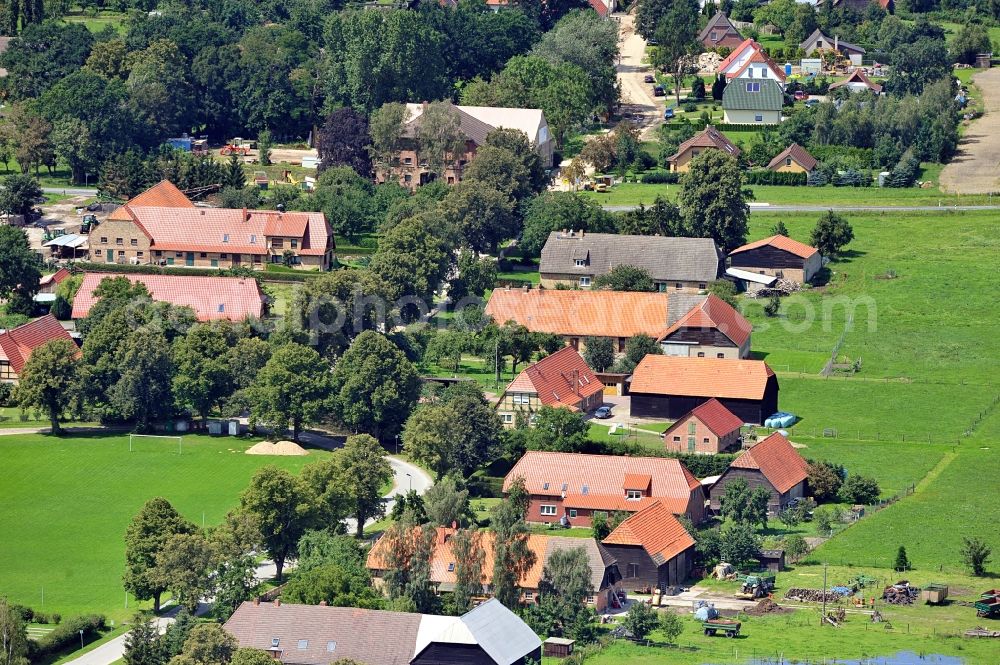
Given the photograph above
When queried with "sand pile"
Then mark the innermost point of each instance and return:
(279, 448)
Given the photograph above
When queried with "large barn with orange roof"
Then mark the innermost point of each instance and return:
(653, 549)
(604, 573)
(778, 256)
(562, 380)
(668, 387)
(569, 488)
(773, 464)
(161, 226)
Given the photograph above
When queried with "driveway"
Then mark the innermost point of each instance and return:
(638, 103)
(976, 167)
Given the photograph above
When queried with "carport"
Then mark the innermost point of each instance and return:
(70, 241)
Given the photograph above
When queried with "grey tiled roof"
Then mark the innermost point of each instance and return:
(737, 97)
(666, 259)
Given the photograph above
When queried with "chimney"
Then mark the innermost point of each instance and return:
(256, 600)
(424, 105)
(836, 42)
(581, 234)
(454, 524)
(322, 603)
(442, 535)
(277, 602)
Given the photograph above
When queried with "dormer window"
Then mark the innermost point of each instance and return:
(274, 642)
(253, 239)
(580, 263)
(545, 486)
(585, 490)
(225, 237)
(633, 495)
(451, 566)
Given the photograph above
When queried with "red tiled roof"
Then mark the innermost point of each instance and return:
(701, 377)
(713, 312)
(164, 194)
(656, 530)
(637, 481)
(288, 224)
(735, 53)
(713, 415)
(562, 378)
(785, 243)
(777, 460)
(799, 154)
(598, 6)
(857, 76)
(758, 57)
(211, 298)
(55, 278)
(710, 137)
(597, 481)
(17, 344)
(582, 313)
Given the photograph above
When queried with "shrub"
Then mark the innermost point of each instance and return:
(41, 617)
(766, 177)
(6, 392)
(690, 107)
(860, 489)
(56, 617)
(66, 634)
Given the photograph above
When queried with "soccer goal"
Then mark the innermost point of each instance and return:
(135, 441)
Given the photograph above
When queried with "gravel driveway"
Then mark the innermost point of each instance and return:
(976, 167)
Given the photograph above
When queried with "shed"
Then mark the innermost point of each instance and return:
(557, 647)
(773, 561)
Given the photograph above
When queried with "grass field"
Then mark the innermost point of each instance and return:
(66, 504)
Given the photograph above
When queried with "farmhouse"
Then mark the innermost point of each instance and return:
(211, 298)
(568, 488)
(653, 549)
(576, 258)
(752, 101)
(576, 315)
(772, 464)
(793, 159)
(17, 344)
(858, 81)
(711, 329)
(817, 41)
(475, 122)
(720, 33)
(862, 5)
(318, 635)
(162, 227)
(562, 379)
(604, 574)
(709, 139)
(778, 256)
(669, 387)
(707, 429)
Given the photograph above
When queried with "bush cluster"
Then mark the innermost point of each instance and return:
(766, 177)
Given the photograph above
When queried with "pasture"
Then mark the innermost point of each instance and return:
(67, 501)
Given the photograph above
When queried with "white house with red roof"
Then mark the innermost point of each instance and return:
(162, 227)
(778, 256)
(570, 487)
(858, 81)
(748, 60)
(773, 464)
(17, 344)
(211, 298)
(561, 380)
(708, 429)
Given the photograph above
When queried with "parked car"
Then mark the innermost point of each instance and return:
(812, 102)
(603, 412)
(668, 113)
(658, 91)
(800, 95)
(649, 78)
(601, 188)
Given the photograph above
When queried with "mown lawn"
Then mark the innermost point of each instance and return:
(67, 501)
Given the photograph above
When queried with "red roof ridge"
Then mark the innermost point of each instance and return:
(656, 530)
(19, 343)
(728, 60)
(715, 416)
(777, 460)
(795, 247)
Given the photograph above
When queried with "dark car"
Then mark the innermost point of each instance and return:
(800, 95)
(649, 78)
(811, 102)
(668, 113)
(658, 91)
(603, 412)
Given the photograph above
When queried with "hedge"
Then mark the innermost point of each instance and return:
(766, 177)
(660, 178)
(259, 275)
(67, 634)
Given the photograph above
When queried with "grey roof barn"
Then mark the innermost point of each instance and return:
(318, 635)
(666, 259)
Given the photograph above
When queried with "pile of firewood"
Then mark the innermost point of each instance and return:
(900, 593)
(811, 595)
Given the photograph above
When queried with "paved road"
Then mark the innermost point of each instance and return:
(975, 169)
(71, 191)
(637, 97)
(824, 208)
(113, 650)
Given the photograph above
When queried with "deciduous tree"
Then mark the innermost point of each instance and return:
(447, 502)
(147, 535)
(47, 379)
(624, 277)
(292, 388)
(467, 547)
(713, 201)
(975, 554)
(283, 507)
(832, 233)
(183, 567)
(344, 141)
(13, 635)
(512, 558)
(599, 353)
(366, 470)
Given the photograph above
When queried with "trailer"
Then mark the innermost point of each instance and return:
(988, 605)
(934, 593)
(727, 627)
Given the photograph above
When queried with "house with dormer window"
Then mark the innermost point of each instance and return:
(562, 380)
(569, 488)
(162, 227)
(752, 101)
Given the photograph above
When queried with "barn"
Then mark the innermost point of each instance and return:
(668, 387)
(778, 256)
(773, 464)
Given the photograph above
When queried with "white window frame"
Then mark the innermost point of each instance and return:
(572, 512)
(584, 281)
(547, 509)
(759, 117)
(580, 263)
(633, 495)
(507, 417)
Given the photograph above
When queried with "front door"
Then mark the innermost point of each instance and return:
(189, 259)
(111, 256)
(236, 259)
(690, 444)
